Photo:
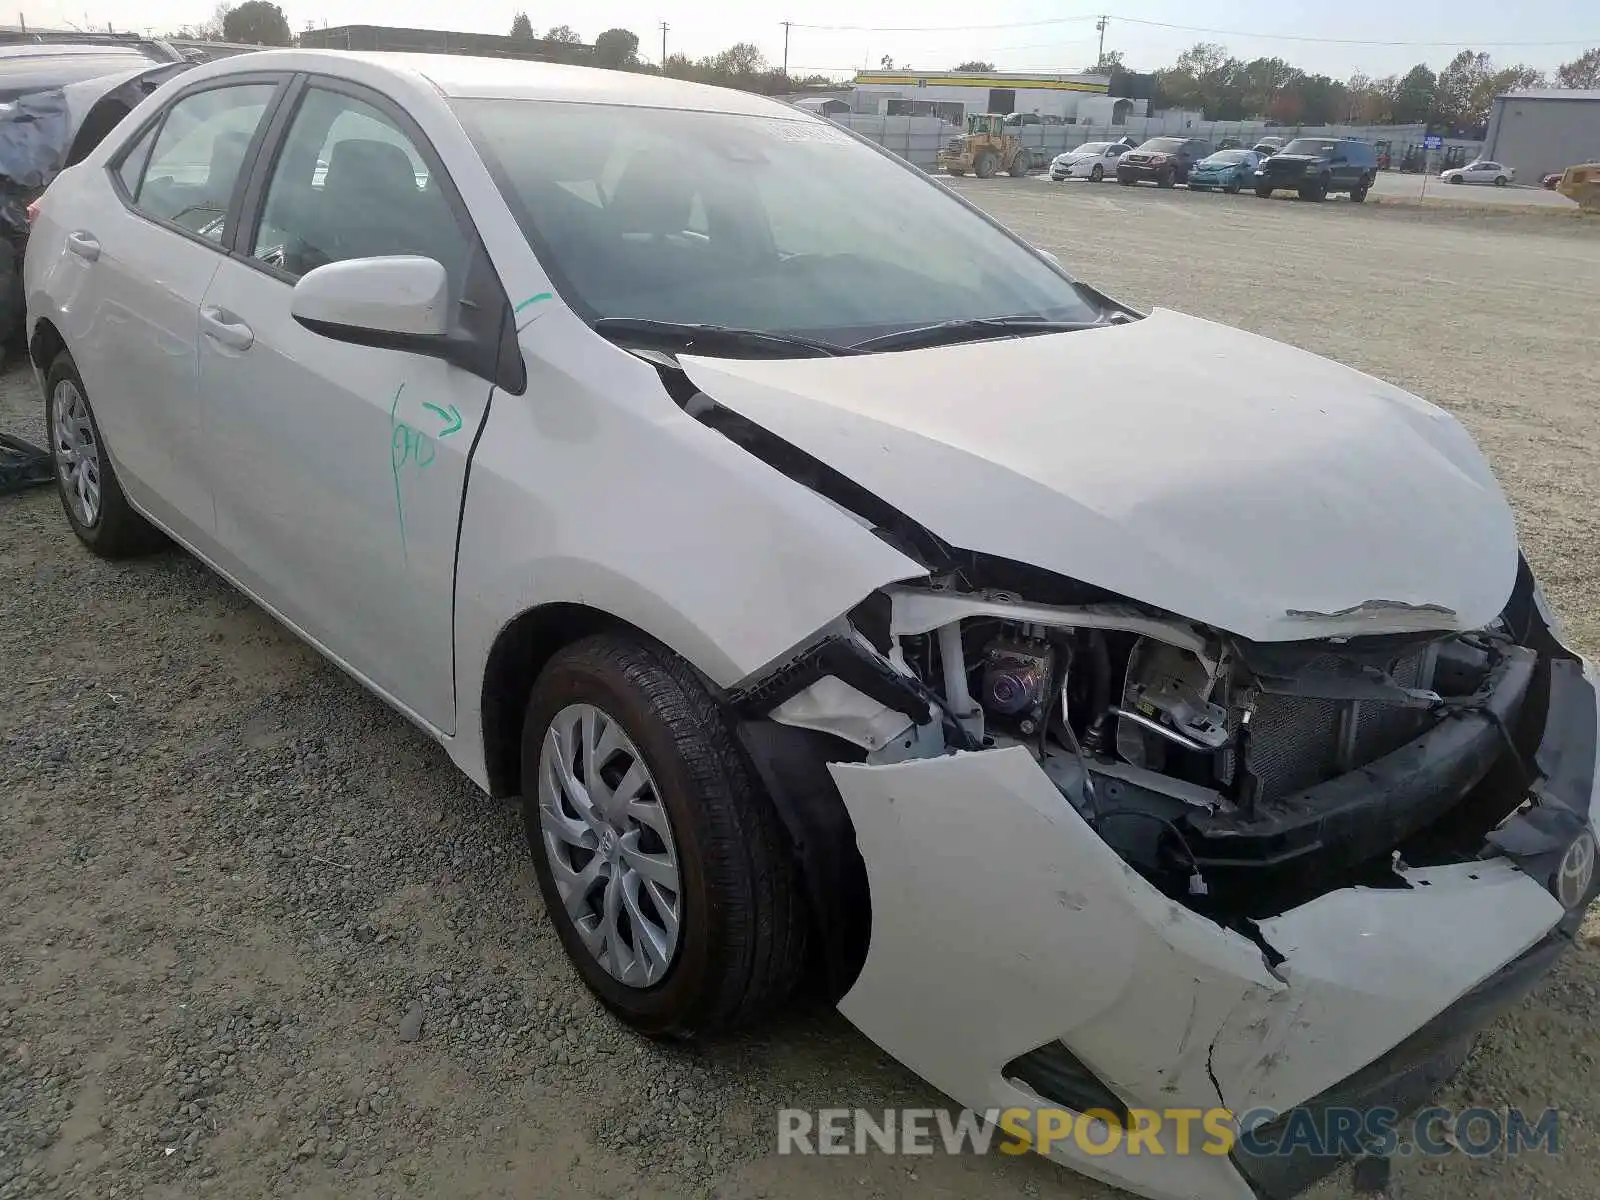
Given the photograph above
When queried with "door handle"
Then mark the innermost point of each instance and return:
(84, 245)
(235, 335)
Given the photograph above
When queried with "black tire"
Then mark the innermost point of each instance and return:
(1233, 189)
(1020, 165)
(13, 309)
(1456, 179)
(1096, 173)
(116, 531)
(1264, 192)
(954, 171)
(742, 921)
(1166, 179)
(1499, 181)
(984, 165)
(1124, 181)
(1358, 194)
(1199, 187)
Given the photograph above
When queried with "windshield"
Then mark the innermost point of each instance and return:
(1162, 145)
(1320, 147)
(1091, 148)
(1227, 158)
(764, 223)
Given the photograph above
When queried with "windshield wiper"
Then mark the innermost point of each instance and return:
(689, 334)
(971, 329)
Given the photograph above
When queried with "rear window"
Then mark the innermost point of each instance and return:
(1318, 146)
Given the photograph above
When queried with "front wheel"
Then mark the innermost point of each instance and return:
(1166, 179)
(983, 166)
(1097, 173)
(1234, 188)
(661, 862)
(1456, 179)
(1264, 192)
(1358, 194)
(86, 481)
(1125, 181)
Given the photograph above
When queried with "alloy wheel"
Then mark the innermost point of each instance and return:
(610, 844)
(77, 453)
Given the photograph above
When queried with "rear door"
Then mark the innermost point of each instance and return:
(146, 259)
(340, 468)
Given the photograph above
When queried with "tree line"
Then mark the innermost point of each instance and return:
(1457, 98)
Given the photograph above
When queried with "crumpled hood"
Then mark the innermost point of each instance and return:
(1222, 476)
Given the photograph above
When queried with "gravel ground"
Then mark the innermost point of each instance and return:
(257, 938)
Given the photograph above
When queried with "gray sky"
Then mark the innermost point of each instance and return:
(1040, 36)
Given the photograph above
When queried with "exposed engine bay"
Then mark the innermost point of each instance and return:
(1240, 778)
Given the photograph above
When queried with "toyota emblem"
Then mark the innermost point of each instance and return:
(1576, 871)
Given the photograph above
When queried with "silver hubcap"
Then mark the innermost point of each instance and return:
(77, 455)
(609, 844)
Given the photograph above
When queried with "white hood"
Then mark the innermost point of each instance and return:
(1219, 475)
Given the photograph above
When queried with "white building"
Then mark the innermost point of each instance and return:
(1066, 98)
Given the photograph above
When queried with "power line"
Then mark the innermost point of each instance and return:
(1243, 33)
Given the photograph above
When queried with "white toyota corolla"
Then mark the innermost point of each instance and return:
(707, 477)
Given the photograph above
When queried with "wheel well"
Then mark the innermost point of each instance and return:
(519, 653)
(45, 344)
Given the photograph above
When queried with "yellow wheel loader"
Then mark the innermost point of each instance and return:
(987, 147)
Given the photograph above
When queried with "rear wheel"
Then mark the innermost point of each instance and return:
(1234, 188)
(85, 479)
(983, 166)
(1020, 165)
(1359, 193)
(1499, 181)
(1097, 173)
(1263, 192)
(663, 866)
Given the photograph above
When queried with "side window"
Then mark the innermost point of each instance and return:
(349, 183)
(198, 154)
(133, 159)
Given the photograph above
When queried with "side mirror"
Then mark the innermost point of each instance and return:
(402, 302)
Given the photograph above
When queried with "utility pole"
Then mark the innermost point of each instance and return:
(1101, 26)
(663, 47)
(786, 49)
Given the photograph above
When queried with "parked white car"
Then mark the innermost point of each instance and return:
(1092, 160)
(1480, 172)
(1115, 710)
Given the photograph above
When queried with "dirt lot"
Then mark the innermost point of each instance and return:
(230, 877)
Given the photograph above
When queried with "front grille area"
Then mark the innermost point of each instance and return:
(1297, 742)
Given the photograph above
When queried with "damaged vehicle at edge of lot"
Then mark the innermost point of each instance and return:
(57, 100)
(1095, 748)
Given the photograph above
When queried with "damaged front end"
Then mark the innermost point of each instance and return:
(1070, 850)
(1114, 859)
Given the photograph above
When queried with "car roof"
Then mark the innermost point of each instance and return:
(470, 77)
(37, 67)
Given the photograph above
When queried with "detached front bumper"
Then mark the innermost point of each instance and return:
(1017, 962)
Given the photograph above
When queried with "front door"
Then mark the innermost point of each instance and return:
(341, 467)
